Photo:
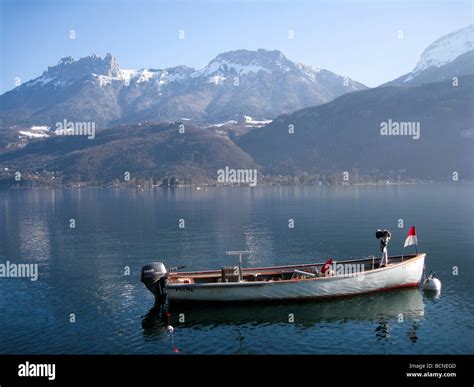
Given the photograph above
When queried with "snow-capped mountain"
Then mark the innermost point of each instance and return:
(103, 72)
(68, 71)
(261, 84)
(446, 49)
(450, 55)
(243, 62)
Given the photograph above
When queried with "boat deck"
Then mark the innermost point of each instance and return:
(280, 273)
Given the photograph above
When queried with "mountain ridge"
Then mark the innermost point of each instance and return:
(238, 83)
(451, 55)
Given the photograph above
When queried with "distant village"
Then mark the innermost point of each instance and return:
(16, 179)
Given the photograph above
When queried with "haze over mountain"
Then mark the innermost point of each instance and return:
(345, 135)
(261, 84)
(451, 55)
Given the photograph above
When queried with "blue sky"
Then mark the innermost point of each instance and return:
(353, 38)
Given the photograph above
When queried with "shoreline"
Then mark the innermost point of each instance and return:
(205, 187)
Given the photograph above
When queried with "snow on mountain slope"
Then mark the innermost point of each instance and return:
(233, 63)
(35, 131)
(126, 75)
(310, 71)
(445, 50)
(97, 89)
(227, 67)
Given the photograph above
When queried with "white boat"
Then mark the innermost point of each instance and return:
(283, 283)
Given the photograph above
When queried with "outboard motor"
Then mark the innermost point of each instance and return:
(155, 278)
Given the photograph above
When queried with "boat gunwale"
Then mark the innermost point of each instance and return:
(413, 258)
(188, 273)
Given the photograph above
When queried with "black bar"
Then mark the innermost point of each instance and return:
(297, 370)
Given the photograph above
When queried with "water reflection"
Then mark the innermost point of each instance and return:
(382, 332)
(155, 323)
(34, 238)
(383, 308)
(412, 331)
(432, 295)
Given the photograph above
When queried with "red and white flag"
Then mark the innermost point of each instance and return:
(411, 237)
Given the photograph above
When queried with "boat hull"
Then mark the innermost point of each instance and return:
(400, 275)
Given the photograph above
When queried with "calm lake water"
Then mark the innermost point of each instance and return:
(82, 269)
